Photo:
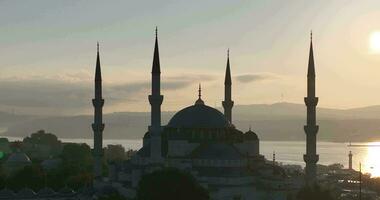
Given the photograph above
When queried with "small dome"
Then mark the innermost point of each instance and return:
(199, 116)
(250, 135)
(19, 158)
(26, 193)
(146, 135)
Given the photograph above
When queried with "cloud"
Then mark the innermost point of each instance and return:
(167, 84)
(191, 78)
(73, 94)
(248, 78)
(44, 93)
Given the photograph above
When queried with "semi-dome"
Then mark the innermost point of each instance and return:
(16, 161)
(198, 116)
(250, 135)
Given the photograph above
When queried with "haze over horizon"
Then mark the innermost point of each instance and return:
(48, 49)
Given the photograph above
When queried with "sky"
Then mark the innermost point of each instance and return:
(48, 52)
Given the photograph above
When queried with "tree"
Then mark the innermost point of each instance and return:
(77, 154)
(41, 137)
(170, 184)
(77, 165)
(4, 147)
(30, 176)
(41, 145)
(115, 153)
(315, 192)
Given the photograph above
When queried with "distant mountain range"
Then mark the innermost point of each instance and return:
(279, 121)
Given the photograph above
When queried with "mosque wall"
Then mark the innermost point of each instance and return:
(219, 163)
(180, 147)
(252, 147)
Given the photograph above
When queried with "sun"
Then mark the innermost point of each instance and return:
(374, 42)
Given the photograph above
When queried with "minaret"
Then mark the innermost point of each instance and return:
(98, 125)
(155, 100)
(274, 162)
(228, 103)
(311, 129)
(350, 160)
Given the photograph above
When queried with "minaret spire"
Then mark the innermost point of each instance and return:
(98, 125)
(155, 100)
(98, 73)
(156, 56)
(311, 129)
(227, 80)
(311, 69)
(200, 91)
(228, 103)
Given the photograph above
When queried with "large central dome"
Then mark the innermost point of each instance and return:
(199, 116)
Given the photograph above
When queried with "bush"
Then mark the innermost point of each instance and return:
(170, 184)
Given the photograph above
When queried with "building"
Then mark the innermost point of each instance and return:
(203, 141)
(350, 160)
(47, 193)
(16, 161)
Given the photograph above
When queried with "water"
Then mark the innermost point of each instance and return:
(291, 152)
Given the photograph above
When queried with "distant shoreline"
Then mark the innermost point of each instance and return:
(357, 144)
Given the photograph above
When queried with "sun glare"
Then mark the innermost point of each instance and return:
(371, 162)
(374, 42)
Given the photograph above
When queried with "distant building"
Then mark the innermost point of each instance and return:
(350, 160)
(4, 147)
(203, 141)
(16, 161)
(46, 193)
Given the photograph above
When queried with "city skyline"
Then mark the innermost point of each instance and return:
(268, 53)
(178, 99)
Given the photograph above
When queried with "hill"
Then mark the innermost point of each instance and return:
(279, 121)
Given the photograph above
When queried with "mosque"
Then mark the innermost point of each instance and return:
(200, 140)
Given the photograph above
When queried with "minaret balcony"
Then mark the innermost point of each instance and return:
(156, 99)
(313, 130)
(311, 101)
(98, 102)
(97, 127)
(311, 158)
(228, 104)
